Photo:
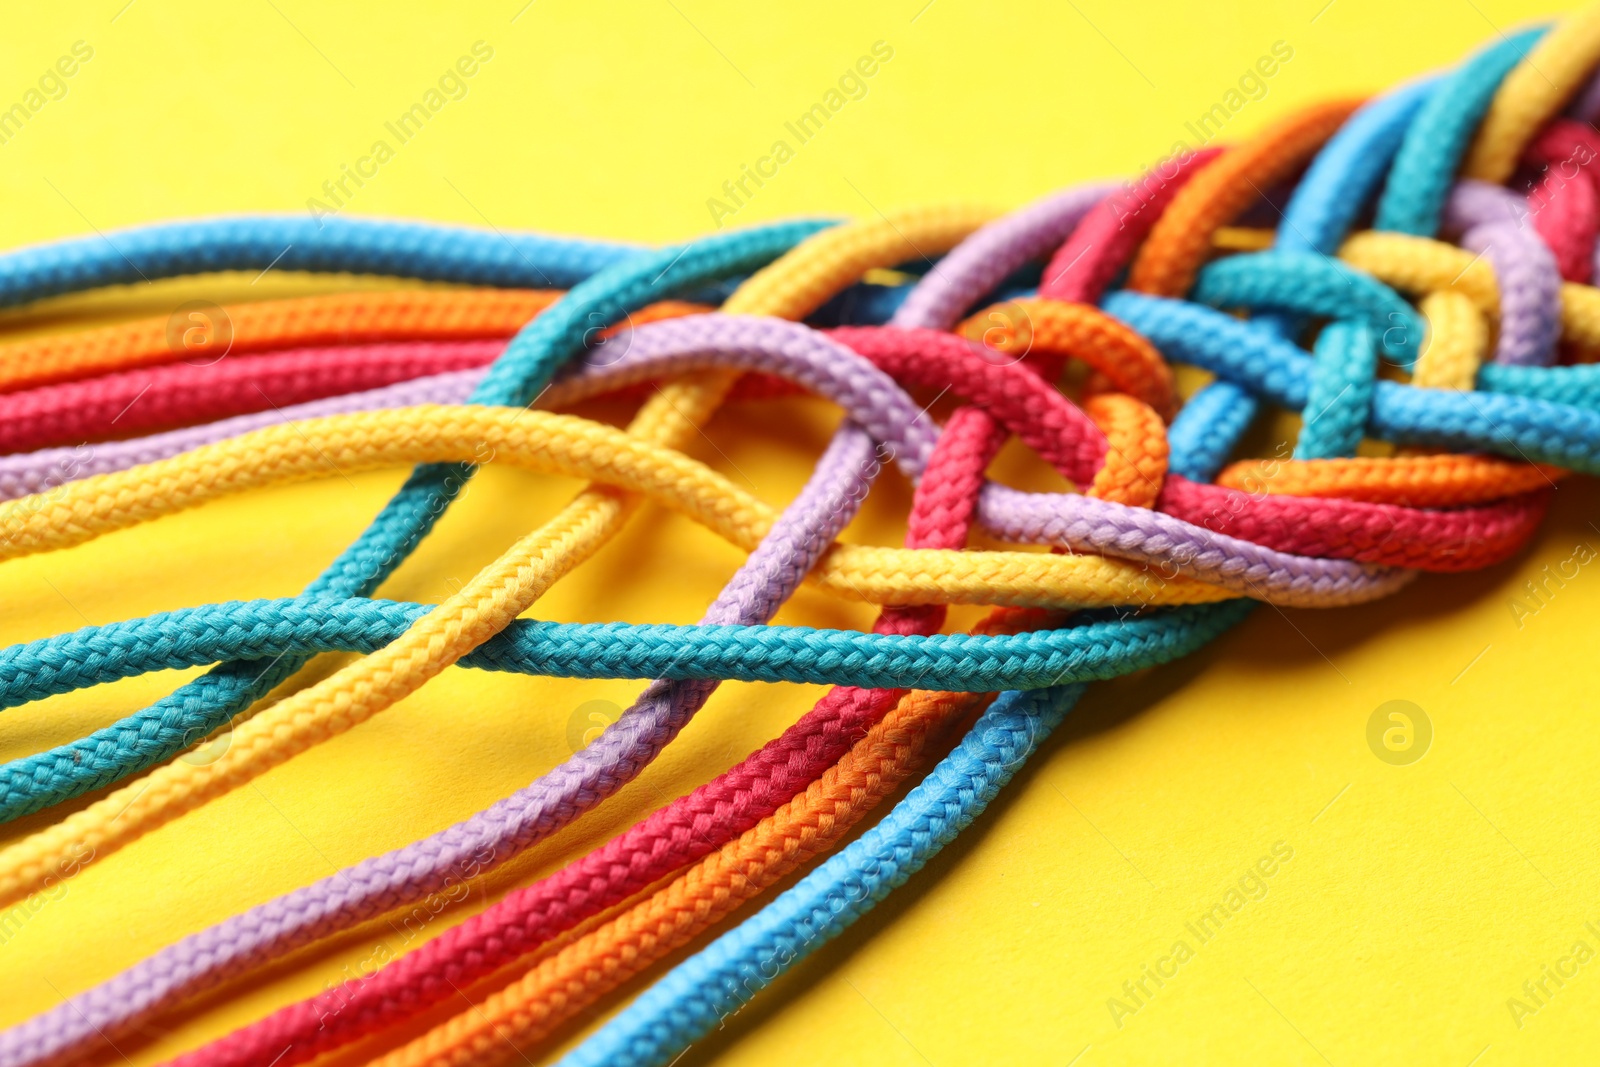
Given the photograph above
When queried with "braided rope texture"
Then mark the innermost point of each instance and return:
(1442, 364)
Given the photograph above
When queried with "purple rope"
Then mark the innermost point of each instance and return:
(979, 264)
(376, 885)
(1495, 225)
(394, 879)
(35, 472)
(683, 346)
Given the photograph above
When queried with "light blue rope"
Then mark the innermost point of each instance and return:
(1325, 204)
(1413, 197)
(694, 998)
(1252, 359)
(426, 251)
(196, 709)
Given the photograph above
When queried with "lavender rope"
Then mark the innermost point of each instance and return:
(234, 946)
(979, 264)
(376, 885)
(1493, 222)
(682, 346)
(22, 473)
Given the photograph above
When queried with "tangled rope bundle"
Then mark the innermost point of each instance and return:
(1434, 250)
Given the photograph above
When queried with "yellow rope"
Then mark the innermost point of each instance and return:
(791, 287)
(1422, 265)
(1532, 94)
(549, 443)
(1458, 339)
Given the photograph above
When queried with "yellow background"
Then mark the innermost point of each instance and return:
(1418, 899)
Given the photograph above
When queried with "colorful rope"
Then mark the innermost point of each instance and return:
(1460, 330)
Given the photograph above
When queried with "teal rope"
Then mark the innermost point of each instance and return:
(1341, 392)
(203, 705)
(1414, 195)
(306, 626)
(1309, 283)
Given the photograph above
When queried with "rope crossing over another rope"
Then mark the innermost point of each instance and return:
(1442, 363)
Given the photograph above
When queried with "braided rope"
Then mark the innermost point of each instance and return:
(701, 992)
(485, 604)
(812, 820)
(501, 1012)
(1494, 312)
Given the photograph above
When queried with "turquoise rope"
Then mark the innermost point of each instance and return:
(1325, 205)
(203, 705)
(700, 993)
(1414, 195)
(1310, 283)
(1341, 392)
(307, 626)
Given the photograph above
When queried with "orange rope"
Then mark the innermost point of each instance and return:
(811, 823)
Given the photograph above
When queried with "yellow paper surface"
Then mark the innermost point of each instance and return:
(1415, 901)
